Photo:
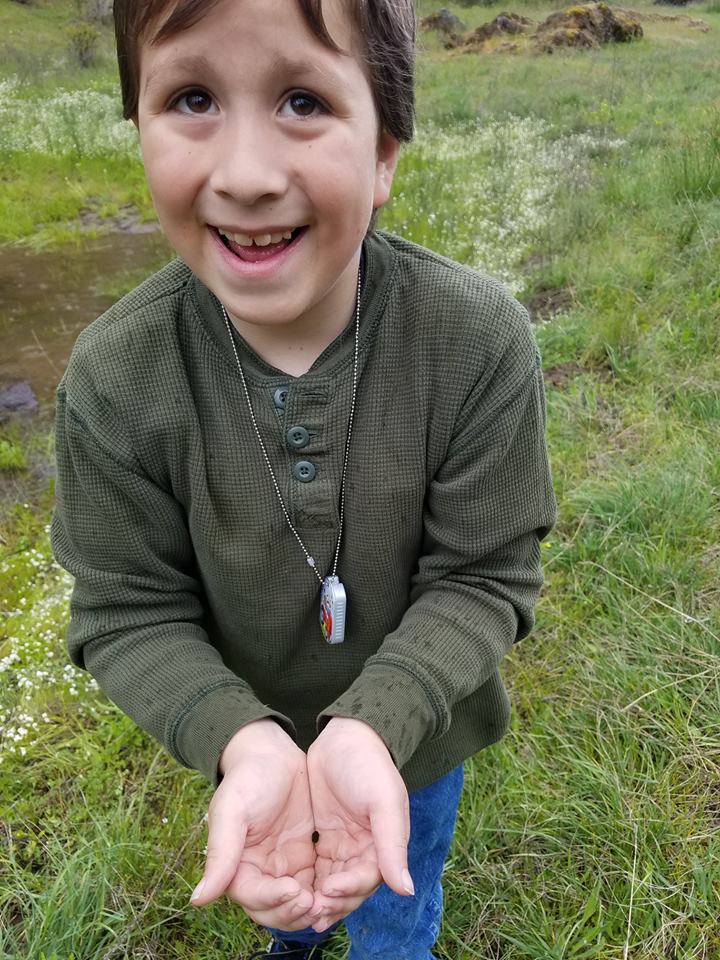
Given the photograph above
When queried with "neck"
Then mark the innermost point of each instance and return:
(295, 346)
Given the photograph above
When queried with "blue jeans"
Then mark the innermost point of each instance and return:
(388, 926)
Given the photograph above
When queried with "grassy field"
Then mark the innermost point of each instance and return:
(591, 183)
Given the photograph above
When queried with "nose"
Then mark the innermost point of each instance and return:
(250, 164)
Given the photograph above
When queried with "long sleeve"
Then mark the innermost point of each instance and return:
(478, 577)
(137, 606)
(193, 605)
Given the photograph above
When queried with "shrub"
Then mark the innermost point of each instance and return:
(12, 456)
(84, 41)
(95, 11)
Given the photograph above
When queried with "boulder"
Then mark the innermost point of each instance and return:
(588, 25)
(504, 23)
(17, 398)
(447, 25)
(443, 20)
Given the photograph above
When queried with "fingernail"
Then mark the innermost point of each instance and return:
(408, 882)
(197, 891)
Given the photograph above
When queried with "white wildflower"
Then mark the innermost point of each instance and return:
(499, 178)
(84, 123)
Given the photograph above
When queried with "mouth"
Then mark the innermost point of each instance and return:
(259, 247)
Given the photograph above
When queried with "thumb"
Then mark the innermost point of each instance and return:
(226, 842)
(390, 826)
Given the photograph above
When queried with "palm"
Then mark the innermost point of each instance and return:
(260, 849)
(361, 817)
(278, 842)
(345, 845)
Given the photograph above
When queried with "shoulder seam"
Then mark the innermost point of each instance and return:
(115, 314)
(107, 450)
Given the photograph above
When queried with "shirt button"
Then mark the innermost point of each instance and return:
(304, 471)
(298, 437)
(280, 397)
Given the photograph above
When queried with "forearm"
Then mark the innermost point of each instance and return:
(173, 684)
(449, 643)
(137, 610)
(478, 577)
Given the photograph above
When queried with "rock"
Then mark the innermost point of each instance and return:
(506, 47)
(587, 26)
(504, 23)
(447, 25)
(444, 21)
(17, 398)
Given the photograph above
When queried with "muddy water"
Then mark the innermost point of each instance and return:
(47, 298)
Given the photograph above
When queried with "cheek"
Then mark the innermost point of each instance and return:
(348, 175)
(171, 174)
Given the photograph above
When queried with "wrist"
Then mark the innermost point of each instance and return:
(349, 727)
(259, 736)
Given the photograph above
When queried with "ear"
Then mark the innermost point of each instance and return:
(388, 153)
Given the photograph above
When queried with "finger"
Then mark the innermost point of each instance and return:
(335, 909)
(289, 916)
(255, 891)
(358, 879)
(390, 827)
(320, 926)
(330, 919)
(226, 841)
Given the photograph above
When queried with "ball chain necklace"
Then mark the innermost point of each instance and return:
(333, 598)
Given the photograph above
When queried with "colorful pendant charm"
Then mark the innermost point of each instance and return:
(333, 604)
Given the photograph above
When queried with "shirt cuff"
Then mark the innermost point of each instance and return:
(202, 733)
(394, 704)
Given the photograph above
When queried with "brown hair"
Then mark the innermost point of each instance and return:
(386, 29)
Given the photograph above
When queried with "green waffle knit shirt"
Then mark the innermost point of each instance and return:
(194, 606)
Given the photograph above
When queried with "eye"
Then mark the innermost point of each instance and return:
(193, 101)
(303, 105)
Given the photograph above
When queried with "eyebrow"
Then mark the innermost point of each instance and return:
(198, 64)
(283, 64)
(191, 63)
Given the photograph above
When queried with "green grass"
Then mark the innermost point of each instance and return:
(591, 831)
(12, 456)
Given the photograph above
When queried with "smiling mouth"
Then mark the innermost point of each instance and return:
(260, 247)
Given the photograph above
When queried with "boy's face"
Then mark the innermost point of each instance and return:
(250, 126)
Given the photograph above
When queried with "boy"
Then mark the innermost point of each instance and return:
(304, 431)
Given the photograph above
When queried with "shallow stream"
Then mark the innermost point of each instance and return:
(48, 297)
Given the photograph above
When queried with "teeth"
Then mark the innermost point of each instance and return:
(263, 240)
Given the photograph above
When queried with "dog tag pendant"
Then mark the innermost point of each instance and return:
(333, 604)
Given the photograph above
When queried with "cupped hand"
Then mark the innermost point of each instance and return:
(260, 829)
(361, 811)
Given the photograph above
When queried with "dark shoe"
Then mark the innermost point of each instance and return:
(290, 949)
